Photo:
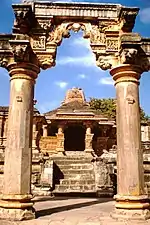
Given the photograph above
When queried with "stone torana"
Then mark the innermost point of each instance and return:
(39, 28)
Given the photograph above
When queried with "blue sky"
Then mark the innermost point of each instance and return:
(75, 64)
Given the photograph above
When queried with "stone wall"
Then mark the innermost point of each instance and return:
(48, 144)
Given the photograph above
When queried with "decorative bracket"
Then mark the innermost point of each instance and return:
(24, 18)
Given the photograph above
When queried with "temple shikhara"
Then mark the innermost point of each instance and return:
(74, 149)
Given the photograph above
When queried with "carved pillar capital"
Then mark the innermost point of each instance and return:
(16, 53)
(126, 73)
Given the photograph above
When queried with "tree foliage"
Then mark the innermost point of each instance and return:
(107, 107)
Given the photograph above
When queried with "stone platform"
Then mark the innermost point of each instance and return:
(74, 211)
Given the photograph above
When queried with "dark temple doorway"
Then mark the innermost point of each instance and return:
(74, 138)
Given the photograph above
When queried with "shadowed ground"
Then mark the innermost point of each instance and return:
(74, 211)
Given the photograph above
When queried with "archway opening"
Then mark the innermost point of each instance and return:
(74, 138)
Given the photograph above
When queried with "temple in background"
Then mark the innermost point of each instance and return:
(73, 148)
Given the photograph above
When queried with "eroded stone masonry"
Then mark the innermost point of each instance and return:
(38, 30)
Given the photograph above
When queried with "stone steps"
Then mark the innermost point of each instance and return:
(74, 188)
(76, 167)
(76, 182)
(78, 175)
(66, 161)
(77, 171)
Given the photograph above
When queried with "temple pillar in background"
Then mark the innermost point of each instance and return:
(60, 139)
(45, 131)
(88, 139)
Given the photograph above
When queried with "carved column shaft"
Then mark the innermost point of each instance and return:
(17, 169)
(60, 139)
(88, 139)
(130, 176)
(45, 132)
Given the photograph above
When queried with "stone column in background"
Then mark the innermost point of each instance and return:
(88, 139)
(131, 200)
(60, 139)
(16, 201)
(45, 131)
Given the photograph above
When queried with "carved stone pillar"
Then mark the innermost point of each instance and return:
(131, 200)
(88, 139)
(60, 139)
(45, 131)
(16, 201)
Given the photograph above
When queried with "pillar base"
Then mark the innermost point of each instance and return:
(128, 214)
(17, 207)
(132, 207)
(17, 214)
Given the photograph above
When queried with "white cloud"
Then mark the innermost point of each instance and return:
(61, 84)
(81, 42)
(145, 15)
(82, 76)
(85, 61)
(106, 81)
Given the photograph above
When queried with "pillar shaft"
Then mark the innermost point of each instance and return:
(88, 139)
(60, 139)
(130, 174)
(17, 168)
(44, 130)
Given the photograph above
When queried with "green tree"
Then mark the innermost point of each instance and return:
(107, 107)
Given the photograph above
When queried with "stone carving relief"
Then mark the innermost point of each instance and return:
(129, 56)
(20, 53)
(104, 63)
(45, 24)
(97, 36)
(101, 173)
(39, 42)
(3, 61)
